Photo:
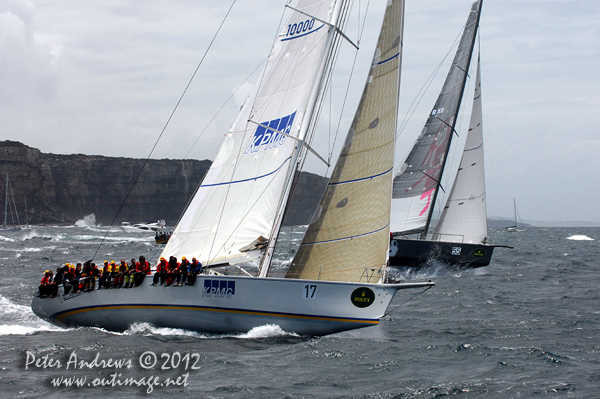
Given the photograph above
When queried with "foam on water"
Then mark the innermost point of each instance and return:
(89, 220)
(267, 331)
(580, 237)
(147, 329)
(21, 320)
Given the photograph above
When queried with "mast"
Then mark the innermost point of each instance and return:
(326, 62)
(6, 203)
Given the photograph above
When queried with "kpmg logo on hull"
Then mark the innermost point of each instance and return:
(219, 288)
(267, 138)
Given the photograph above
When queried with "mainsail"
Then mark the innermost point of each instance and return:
(416, 185)
(465, 209)
(349, 237)
(233, 212)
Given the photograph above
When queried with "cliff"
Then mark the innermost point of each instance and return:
(50, 189)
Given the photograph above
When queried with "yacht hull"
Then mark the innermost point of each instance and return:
(420, 253)
(224, 304)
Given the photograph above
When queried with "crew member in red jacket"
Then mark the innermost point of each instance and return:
(161, 272)
(46, 284)
(173, 271)
(142, 268)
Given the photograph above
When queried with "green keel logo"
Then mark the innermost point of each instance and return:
(479, 253)
(362, 297)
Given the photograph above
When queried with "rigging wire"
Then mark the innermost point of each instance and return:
(408, 300)
(164, 128)
(361, 31)
(223, 106)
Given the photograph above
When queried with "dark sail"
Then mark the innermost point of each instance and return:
(416, 185)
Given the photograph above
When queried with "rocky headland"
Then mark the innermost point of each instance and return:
(61, 189)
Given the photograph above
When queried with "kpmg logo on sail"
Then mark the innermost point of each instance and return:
(270, 137)
(219, 288)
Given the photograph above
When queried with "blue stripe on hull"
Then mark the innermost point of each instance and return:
(204, 318)
(61, 315)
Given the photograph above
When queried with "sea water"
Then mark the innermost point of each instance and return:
(525, 326)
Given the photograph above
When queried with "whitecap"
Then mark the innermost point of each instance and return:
(87, 221)
(580, 237)
(21, 320)
(266, 331)
(149, 329)
(15, 329)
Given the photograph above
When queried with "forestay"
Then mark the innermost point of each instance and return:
(465, 209)
(417, 183)
(235, 206)
(349, 237)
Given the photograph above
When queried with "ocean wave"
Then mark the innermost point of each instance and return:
(15, 329)
(20, 320)
(267, 331)
(580, 237)
(147, 329)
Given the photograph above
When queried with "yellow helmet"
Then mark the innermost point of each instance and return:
(183, 257)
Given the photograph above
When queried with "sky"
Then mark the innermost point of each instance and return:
(102, 78)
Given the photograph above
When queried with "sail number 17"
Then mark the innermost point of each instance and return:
(309, 291)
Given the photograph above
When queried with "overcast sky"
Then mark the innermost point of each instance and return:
(102, 77)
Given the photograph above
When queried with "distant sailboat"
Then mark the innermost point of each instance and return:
(460, 237)
(515, 228)
(337, 279)
(10, 207)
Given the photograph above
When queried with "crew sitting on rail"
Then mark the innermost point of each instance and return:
(184, 269)
(95, 276)
(161, 272)
(47, 285)
(142, 269)
(84, 280)
(76, 273)
(121, 271)
(104, 281)
(193, 270)
(173, 272)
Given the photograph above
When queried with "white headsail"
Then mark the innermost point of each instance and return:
(349, 237)
(465, 211)
(233, 211)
